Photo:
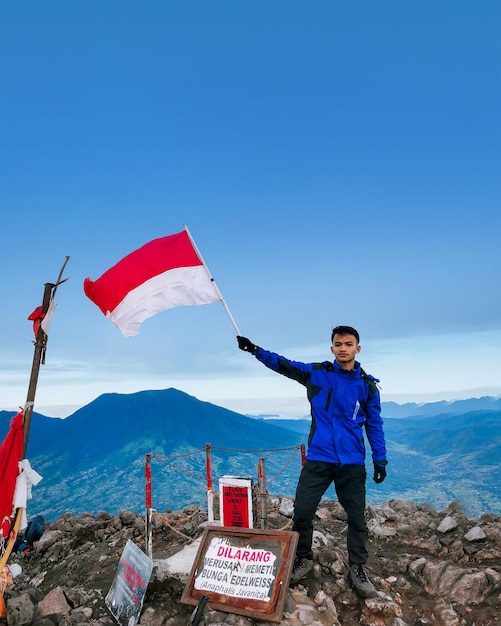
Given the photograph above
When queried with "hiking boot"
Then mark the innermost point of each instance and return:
(360, 582)
(300, 568)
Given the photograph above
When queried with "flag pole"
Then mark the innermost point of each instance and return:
(39, 355)
(38, 359)
(232, 320)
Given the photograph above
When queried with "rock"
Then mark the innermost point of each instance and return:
(319, 540)
(320, 597)
(455, 584)
(447, 525)
(323, 513)
(127, 518)
(404, 507)
(48, 539)
(417, 566)
(20, 610)
(377, 528)
(493, 577)
(382, 607)
(475, 534)
(446, 614)
(310, 613)
(178, 566)
(286, 507)
(54, 605)
(82, 614)
(381, 520)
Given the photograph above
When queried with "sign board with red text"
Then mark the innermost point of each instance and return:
(235, 502)
(125, 597)
(243, 570)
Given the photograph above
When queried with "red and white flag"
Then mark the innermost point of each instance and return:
(163, 274)
(11, 452)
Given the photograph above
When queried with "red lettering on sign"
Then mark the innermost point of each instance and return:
(236, 506)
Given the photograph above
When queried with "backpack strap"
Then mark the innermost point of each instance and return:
(370, 381)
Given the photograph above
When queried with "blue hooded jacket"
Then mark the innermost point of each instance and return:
(342, 402)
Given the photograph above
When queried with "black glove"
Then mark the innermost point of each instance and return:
(379, 471)
(246, 345)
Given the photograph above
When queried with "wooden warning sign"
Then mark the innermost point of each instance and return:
(244, 571)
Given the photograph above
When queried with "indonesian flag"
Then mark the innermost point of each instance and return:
(11, 452)
(163, 274)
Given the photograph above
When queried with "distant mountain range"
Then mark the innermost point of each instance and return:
(94, 459)
(456, 407)
(430, 409)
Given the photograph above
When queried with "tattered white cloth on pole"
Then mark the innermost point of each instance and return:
(25, 480)
(51, 311)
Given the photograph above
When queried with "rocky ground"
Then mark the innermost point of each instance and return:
(430, 568)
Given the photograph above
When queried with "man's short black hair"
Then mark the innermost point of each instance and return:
(345, 330)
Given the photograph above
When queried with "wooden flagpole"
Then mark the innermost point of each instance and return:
(213, 282)
(38, 358)
(39, 355)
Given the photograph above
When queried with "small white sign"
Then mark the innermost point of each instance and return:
(235, 502)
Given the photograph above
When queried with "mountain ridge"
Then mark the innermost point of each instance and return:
(94, 459)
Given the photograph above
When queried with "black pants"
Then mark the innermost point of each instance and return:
(349, 482)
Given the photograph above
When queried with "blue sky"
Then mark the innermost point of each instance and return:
(336, 162)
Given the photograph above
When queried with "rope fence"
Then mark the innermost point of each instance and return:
(260, 489)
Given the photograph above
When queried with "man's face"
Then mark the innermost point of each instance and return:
(345, 348)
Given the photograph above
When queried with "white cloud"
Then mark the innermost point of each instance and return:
(418, 369)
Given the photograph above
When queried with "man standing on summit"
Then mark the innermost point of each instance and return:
(343, 399)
